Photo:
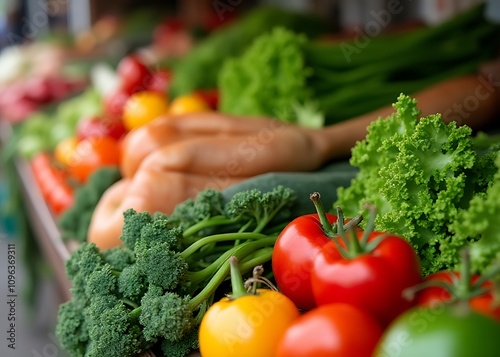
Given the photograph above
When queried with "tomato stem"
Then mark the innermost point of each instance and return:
(460, 289)
(409, 293)
(236, 279)
(370, 225)
(464, 287)
(353, 246)
(325, 223)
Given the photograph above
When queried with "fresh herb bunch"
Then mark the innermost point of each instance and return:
(421, 174)
(285, 75)
(151, 292)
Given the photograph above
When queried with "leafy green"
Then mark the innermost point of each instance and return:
(420, 174)
(287, 76)
(200, 68)
(42, 131)
(478, 224)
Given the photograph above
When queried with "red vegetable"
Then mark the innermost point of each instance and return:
(293, 256)
(96, 127)
(334, 330)
(368, 269)
(295, 251)
(448, 286)
(133, 73)
(57, 193)
(210, 96)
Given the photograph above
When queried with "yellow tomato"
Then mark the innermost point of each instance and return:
(65, 150)
(142, 107)
(189, 103)
(247, 326)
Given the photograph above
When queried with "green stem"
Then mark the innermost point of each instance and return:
(219, 238)
(488, 275)
(325, 223)
(464, 287)
(207, 223)
(353, 246)
(129, 303)
(197, 277)
(409, 293)
(370, 225)
(237, 283)
(240, 252)
(134, 314)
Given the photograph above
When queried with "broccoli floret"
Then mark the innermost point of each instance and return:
(259, 208)
(116, 334)
(182, 347)
(83, 261)
(165, 315)
(160, 265)
(75, 221)
(161, 231)
(71, 331)
(133, 222)
(419, 173)
(118, 257)
(152, 291)
(132, 283)
(101, 282)
(207, 203)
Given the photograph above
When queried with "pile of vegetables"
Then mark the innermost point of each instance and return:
(164, 288)
(429, 181)
(284, 74)
(200, 67)
(368, 299)
(151, 292)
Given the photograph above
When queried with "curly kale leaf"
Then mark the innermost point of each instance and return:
(419, 173)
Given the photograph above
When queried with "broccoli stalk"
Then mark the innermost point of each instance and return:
(153, 291)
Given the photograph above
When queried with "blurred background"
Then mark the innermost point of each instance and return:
(45, 37)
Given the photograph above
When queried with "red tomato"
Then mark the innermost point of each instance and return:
(98, 127)
(293, 256)
(133, 73)
(159, 81)
(435, 295)
(93, 153)
(335, 330)
(52, 183)
(372, 280)
(210, 96)
(114, 103)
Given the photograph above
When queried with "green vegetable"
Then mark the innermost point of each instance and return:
(442, 331)
(199, 69)
(478, 224)
(152, 292)
(75, 221)
(283, 72)
(420, 174)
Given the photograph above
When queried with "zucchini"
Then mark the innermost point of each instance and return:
(326, 181)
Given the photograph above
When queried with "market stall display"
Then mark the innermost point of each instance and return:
(190, 203)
